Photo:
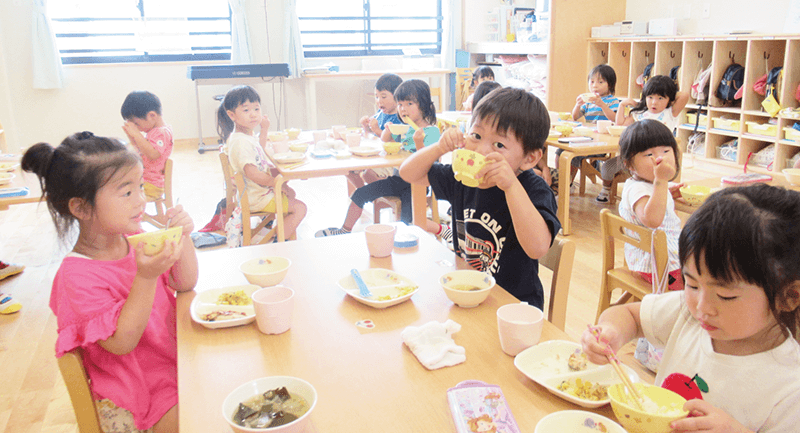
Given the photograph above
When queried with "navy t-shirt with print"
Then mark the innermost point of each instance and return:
(486, 237)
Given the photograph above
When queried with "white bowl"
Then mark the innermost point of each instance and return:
(616, 130)
(576, 421)
(463, 278)
(154, 241)
(398, 129)
(792, 175)
(6, 178)
(265, 271)
(261, 385)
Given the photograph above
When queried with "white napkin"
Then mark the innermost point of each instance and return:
(433, 345)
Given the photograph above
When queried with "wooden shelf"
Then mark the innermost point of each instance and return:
(522, 48)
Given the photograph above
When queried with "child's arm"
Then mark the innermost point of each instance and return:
(386, 134)
(621, 118)
(263, 135)
(616, 326)
(262, 178)
(607, 111)
(139, 142)
(651, 210)
(183, 275)
(577, 113)
(681, 99)
(704, 417)
(415, 168)
(370, 124)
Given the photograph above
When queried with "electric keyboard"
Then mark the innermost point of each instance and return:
(238, 71)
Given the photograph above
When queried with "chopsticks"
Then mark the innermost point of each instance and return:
(296, 165)
(410, 122)
(169, 220)
(612, 359)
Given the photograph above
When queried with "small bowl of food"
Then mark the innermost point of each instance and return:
(6, 178)
(660, 407)
(564, 130)
(270, 404)
(398, 128)
(576, 421)
(792, 175)
(586, 96)
(565, 115)
(584, 131)
(467, 288)
(265, 271)
(299, 147)
(154, 241)
(391, 147)
(696, 194)
(616, 130)
(276, 136)
(293, 133)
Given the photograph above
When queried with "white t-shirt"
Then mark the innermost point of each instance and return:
(639, 260)
(664, 117)
(761, 391)
(243, 149)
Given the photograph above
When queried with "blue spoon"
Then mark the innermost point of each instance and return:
(362, 287)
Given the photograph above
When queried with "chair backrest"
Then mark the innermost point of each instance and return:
(559, 259)
(230, 186)
(77, 381)
(168, 183)
(436, 92)
(614, 228)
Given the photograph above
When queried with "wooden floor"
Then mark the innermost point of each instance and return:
(32, 394)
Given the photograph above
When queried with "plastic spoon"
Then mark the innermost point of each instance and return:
(362, 287)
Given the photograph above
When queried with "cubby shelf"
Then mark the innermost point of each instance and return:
(757, 53)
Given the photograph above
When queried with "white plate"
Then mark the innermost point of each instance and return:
(8, 166)
(365, 151)
(576, 421)
(288, 157)
(6, 178)
(381, 282)
(206, 302)
(322, 153)
(546, 364)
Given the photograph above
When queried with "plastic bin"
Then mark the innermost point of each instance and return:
(727, 124)
(792, 134)
(691, 118)
(762, 129)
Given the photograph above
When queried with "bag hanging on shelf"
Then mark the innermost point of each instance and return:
(770, 102)
(674, 73)
(732, 80)
(700, 86)
(760, 86)
(648, 71)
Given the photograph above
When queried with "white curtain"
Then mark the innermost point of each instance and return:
(47, 73)
(450, 11)
(240, 35)
(294, 47)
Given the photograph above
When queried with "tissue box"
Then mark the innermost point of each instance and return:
(663, 26)
(633, 28)
(608, 31)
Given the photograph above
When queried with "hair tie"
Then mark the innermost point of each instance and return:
(85, 135)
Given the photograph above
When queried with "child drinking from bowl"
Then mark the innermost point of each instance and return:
(238, 116)
(509, 221)
(734, 329)
(114, 304)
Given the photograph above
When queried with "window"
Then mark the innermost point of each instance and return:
(113, 31)
(369, 27)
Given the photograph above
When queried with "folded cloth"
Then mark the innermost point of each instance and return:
(202, 240)
(433, 345)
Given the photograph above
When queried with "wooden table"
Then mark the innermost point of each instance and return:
(22, 179)
(311, 81)
(334, 167)
(608, 144)
(367, 381)
(452, 118)
(778, 179)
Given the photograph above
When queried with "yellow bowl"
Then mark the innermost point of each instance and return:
(564, 115)
(696, 194)
(391, 147)
(668, 403)
(616, 130)
(565, 130)
(154, 241)
(265, 271)
(276, 136)
(298, 147)
(293, 133)
(792, 175)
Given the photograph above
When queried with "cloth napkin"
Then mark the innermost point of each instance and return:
(433, 345)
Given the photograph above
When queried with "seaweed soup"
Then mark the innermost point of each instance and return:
(273, 408)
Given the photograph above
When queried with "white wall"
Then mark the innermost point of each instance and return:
(725, 15)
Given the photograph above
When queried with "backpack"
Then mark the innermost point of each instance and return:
(770, 102)
(648, 71)
(673, 73)
(700, 86)
(732, 80)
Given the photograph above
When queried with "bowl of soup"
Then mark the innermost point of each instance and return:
(467, 288)
(265, 271)
(270, 404)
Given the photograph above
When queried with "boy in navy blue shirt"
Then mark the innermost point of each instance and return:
(509, 221)
(387, 106)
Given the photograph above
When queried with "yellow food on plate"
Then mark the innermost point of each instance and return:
(584, 389)
(238, 297)
(577, 361)
(401, 291)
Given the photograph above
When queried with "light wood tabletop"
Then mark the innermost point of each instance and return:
(778, 179)
(21, 179)
(366, 380)
(604, 143)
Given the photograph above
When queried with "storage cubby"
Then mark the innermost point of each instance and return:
(746, 119)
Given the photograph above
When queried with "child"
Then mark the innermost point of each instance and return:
(602, 105)
(238, 116)
(660, 101)
(648, 150)
(482, 90)
(481, 74)
(509, 221)
(414, 98)
(387, 112)
(141, 111)
(113, 302)
(735, 327)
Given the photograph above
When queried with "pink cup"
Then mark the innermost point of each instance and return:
(602, 126)
(319, 136)
(520, 327)
(353, 139)
(339, 131)
(380, 239)
(280, 146)
(273, 307)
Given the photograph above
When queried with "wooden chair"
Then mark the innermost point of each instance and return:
(385, 203)
(164, 202)
(463, 81)
(436, 93)
(77, 381)
(559, 259)
(588, 171)
(234, 184)
(613, 228)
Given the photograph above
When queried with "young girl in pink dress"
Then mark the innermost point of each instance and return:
(113, 303)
